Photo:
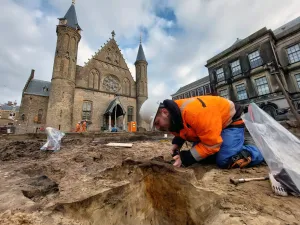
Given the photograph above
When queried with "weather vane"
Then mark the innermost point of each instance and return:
(113, 34)
(73, 2)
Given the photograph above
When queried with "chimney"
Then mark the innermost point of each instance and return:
(32, 74)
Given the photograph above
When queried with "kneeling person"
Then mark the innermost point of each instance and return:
(212, 123)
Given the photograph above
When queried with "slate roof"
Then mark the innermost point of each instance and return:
(112, 104)
(9, 107)
(238, 44)
(141, 55)
(287, 28)
(192, 85)
(38, 87)
(71, 18)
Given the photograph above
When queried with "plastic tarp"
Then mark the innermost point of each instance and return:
(279, 147)
(54, 137)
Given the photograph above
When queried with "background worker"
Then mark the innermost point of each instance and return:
(212, 123)
(83, 126)
(78, 127)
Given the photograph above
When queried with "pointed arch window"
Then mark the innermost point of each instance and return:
(142, 88)
(40, 116)
(126, 86)
(94, 79)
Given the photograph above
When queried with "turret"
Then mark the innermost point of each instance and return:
(61, 98)
(141, 82)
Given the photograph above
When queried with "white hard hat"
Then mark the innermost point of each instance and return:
(149, 110)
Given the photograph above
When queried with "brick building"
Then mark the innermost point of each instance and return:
(196, 88)
(242, 72)
(8, 113)
(102, 92)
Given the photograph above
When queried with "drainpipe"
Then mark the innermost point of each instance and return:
(279, 66)
(272, 69)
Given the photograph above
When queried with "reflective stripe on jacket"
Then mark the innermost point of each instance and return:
(204, 118)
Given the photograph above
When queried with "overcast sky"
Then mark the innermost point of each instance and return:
(178, 35)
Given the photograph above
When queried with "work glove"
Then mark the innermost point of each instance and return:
(183, 158)
(175, 149)
(187, 158)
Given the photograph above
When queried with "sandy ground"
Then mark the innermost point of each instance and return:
(90, 183)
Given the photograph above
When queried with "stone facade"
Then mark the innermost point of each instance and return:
(101, 91)
(141, 89)
(34, 108)
(61, 98)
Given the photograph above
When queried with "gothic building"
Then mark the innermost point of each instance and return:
(102, 91)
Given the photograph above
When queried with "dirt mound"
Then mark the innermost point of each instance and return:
(21, 149)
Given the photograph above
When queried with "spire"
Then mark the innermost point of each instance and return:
(141, 55)
(71, 17)
(113, 34)
(141, 38)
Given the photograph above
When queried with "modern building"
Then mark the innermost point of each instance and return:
(197, 88)
(102, 91)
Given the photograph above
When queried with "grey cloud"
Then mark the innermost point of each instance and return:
(25, 43)
(208, 27)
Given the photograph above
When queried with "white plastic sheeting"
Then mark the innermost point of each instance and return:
(54, 137)
(279, 147)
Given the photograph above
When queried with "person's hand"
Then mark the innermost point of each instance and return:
(177, 162)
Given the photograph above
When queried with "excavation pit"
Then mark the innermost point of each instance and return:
(156, 194)
(89, 183)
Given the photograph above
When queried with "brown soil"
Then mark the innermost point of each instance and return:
(89, 183)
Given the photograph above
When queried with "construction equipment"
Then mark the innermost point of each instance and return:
(243, 180)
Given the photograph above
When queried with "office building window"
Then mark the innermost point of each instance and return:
(241, 92)
(235, 68)
(86, 110)
(255, 59)
(262, 86)
(220, 74)
(129, 113)
(223, 93)
(297, 76)
(294, 53)
(207, 89)
(200, 91)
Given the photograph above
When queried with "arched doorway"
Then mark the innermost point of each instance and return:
(114, 116)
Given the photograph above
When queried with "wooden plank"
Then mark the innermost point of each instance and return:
(126, 145)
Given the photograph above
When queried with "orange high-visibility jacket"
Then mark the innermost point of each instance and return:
(84, 126)
(77, 127)
(204, 118)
